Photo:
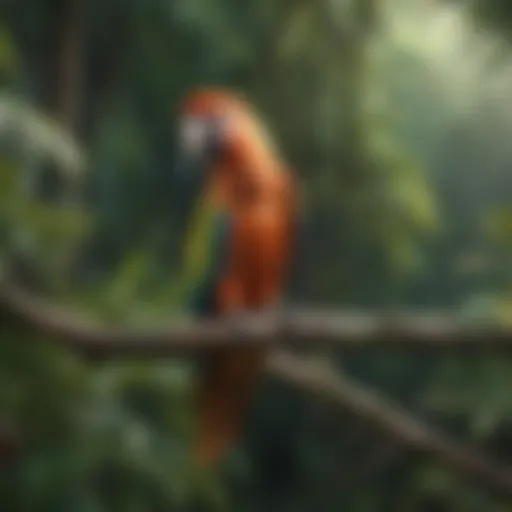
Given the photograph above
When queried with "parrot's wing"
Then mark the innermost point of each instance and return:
(206, 256)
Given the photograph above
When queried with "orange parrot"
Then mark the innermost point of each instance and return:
(240, 243)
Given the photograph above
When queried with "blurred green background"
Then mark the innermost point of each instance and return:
(397, 117)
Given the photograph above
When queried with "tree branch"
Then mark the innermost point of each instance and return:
(298, 328)
(320, 379)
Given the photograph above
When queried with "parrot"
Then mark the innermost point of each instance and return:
(239, 237)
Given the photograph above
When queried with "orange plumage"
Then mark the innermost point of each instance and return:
(248, 180)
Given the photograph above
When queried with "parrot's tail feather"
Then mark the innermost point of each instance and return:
(225, 388)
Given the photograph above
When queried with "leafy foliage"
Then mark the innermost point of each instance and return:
(401, 141)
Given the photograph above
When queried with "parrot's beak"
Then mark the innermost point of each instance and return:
(190, 168)
(189, 175)
(192, 137)
(199, 142)
(190, 162)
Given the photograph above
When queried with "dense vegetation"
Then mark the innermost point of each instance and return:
(395, 115)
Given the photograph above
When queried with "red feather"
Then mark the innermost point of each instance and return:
(259, 194)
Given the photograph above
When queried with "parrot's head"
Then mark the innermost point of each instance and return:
(205, 128)
(218, 131)
(215, 125)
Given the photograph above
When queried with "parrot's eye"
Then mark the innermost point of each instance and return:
(200, 135)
